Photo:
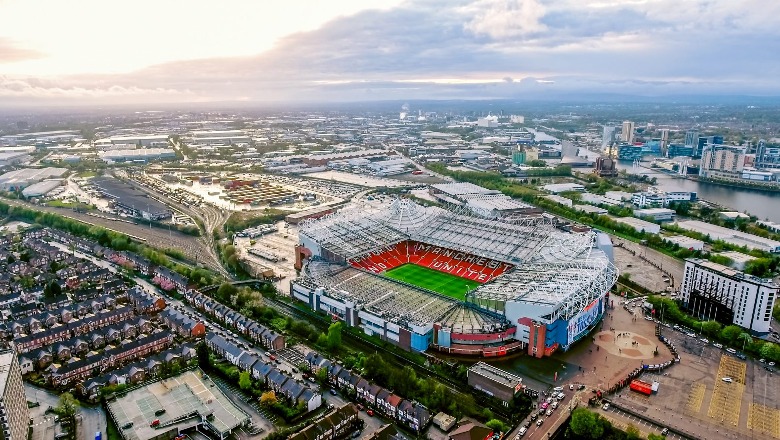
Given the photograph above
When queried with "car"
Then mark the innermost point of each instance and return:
(731, 350)
(705, 340)
(727, 379)
(554, 405)
(741, 356)
(272, 357)
(648, 318)
(155, 423)
(558, 389)
(771, 364)
(370, 412)
(127, 425)
(665, 431)
(534, 416)
(580, 387)
(763, 361)
(716, 345)
(691, 335)
(549, 399)
(605, 407)
(539, 422)
(333, 392)
(522, 431)
(561, 396)
(549, 412)
(159, 412)
(571, 387)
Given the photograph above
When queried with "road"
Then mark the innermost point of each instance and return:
(89, 420)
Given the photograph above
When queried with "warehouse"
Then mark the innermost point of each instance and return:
(495, 382)
(140, 154)
(656, 214)
(19, 179)
(41, 188)
(731, 236)
(639, 225)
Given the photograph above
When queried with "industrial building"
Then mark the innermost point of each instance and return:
(656, 214)
(42, 188)
(557, 188)
(14, 417)
(731, 236)
(481, 201)
(22, 178)
(712, 291)
(14, 158)
(140, 154)
(639, 225)
(495, 382)
(125, 197)
(686, 242)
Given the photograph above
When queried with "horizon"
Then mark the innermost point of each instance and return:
(374, 51)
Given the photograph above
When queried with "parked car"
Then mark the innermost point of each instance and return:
(727, 379)
(370, 412)
(716, 345)
(605, 407)
(539, 422)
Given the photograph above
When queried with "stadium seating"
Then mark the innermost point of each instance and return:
(414, 252)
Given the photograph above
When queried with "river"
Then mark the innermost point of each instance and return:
(762, 204)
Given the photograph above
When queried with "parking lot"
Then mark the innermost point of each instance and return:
(694, 398)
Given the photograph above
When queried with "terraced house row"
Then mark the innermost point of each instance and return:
(409, 413)
(266, 373)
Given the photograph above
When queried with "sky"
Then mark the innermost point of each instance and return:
(169, 51)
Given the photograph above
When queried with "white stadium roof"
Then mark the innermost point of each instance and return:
(563, 272)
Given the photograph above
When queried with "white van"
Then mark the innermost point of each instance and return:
(522, 431)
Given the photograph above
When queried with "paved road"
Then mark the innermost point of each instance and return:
(89, 419)
(623, 419)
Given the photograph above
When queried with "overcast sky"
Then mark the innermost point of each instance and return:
(85, 51)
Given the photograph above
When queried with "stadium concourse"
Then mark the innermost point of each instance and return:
(429, 277)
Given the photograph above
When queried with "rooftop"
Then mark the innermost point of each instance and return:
(496, 374)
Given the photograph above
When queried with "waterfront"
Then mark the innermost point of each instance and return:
(762, 204)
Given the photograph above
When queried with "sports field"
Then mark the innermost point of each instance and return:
(444, 283)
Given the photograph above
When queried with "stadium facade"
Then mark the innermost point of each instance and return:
(538, 289)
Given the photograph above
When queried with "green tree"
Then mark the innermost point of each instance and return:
(586, 424)
(244, 381)
(653, 436)
(322, 375)
(730, 333)
(226, 291)
(334, 335)
(496, 425)
(711, 328)
(771, 351)
(632, 432)
(744, 339)
(67, 407)
(204, 360)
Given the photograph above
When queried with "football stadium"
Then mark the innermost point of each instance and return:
(450, 280)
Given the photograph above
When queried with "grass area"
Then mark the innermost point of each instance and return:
(86, 174)
(444, 283)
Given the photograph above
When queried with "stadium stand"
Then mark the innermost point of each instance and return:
(446, 260)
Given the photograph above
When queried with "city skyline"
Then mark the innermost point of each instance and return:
(86, 52)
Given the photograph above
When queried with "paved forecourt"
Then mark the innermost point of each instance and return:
(444, 283)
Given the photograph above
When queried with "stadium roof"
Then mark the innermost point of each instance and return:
(560, 271)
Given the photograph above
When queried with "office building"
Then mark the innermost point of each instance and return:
(607, 136)
(14, 418)
(627, 135)
(664, 140)
(712, 291)
(692, 138)
(629, 152)
(722, 161)
(494, 382)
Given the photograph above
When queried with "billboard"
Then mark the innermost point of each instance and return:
(582, 322)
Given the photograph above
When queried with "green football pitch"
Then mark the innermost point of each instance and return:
(444, 283)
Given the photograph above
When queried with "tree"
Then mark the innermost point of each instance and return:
(632, 432)
(67, 407)
(653, 436)
(586, 424)
(744, 338)
(244, 381)
(226, 291)
(268, 399)
(711, 328)
(496, 425)
(771, 351)
(730, 333)
(204, 360)
(322, 375)
(334, 335)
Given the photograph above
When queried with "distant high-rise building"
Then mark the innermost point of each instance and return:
(517, 119)
(692, 138)
(627, 135)
(607, 136)
(14, 417)
(722, 161)
(664, 141)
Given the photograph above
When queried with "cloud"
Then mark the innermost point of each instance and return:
(506, 18)
(10, 52)
(483, 49)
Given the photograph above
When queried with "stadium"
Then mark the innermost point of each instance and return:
(427, 277)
